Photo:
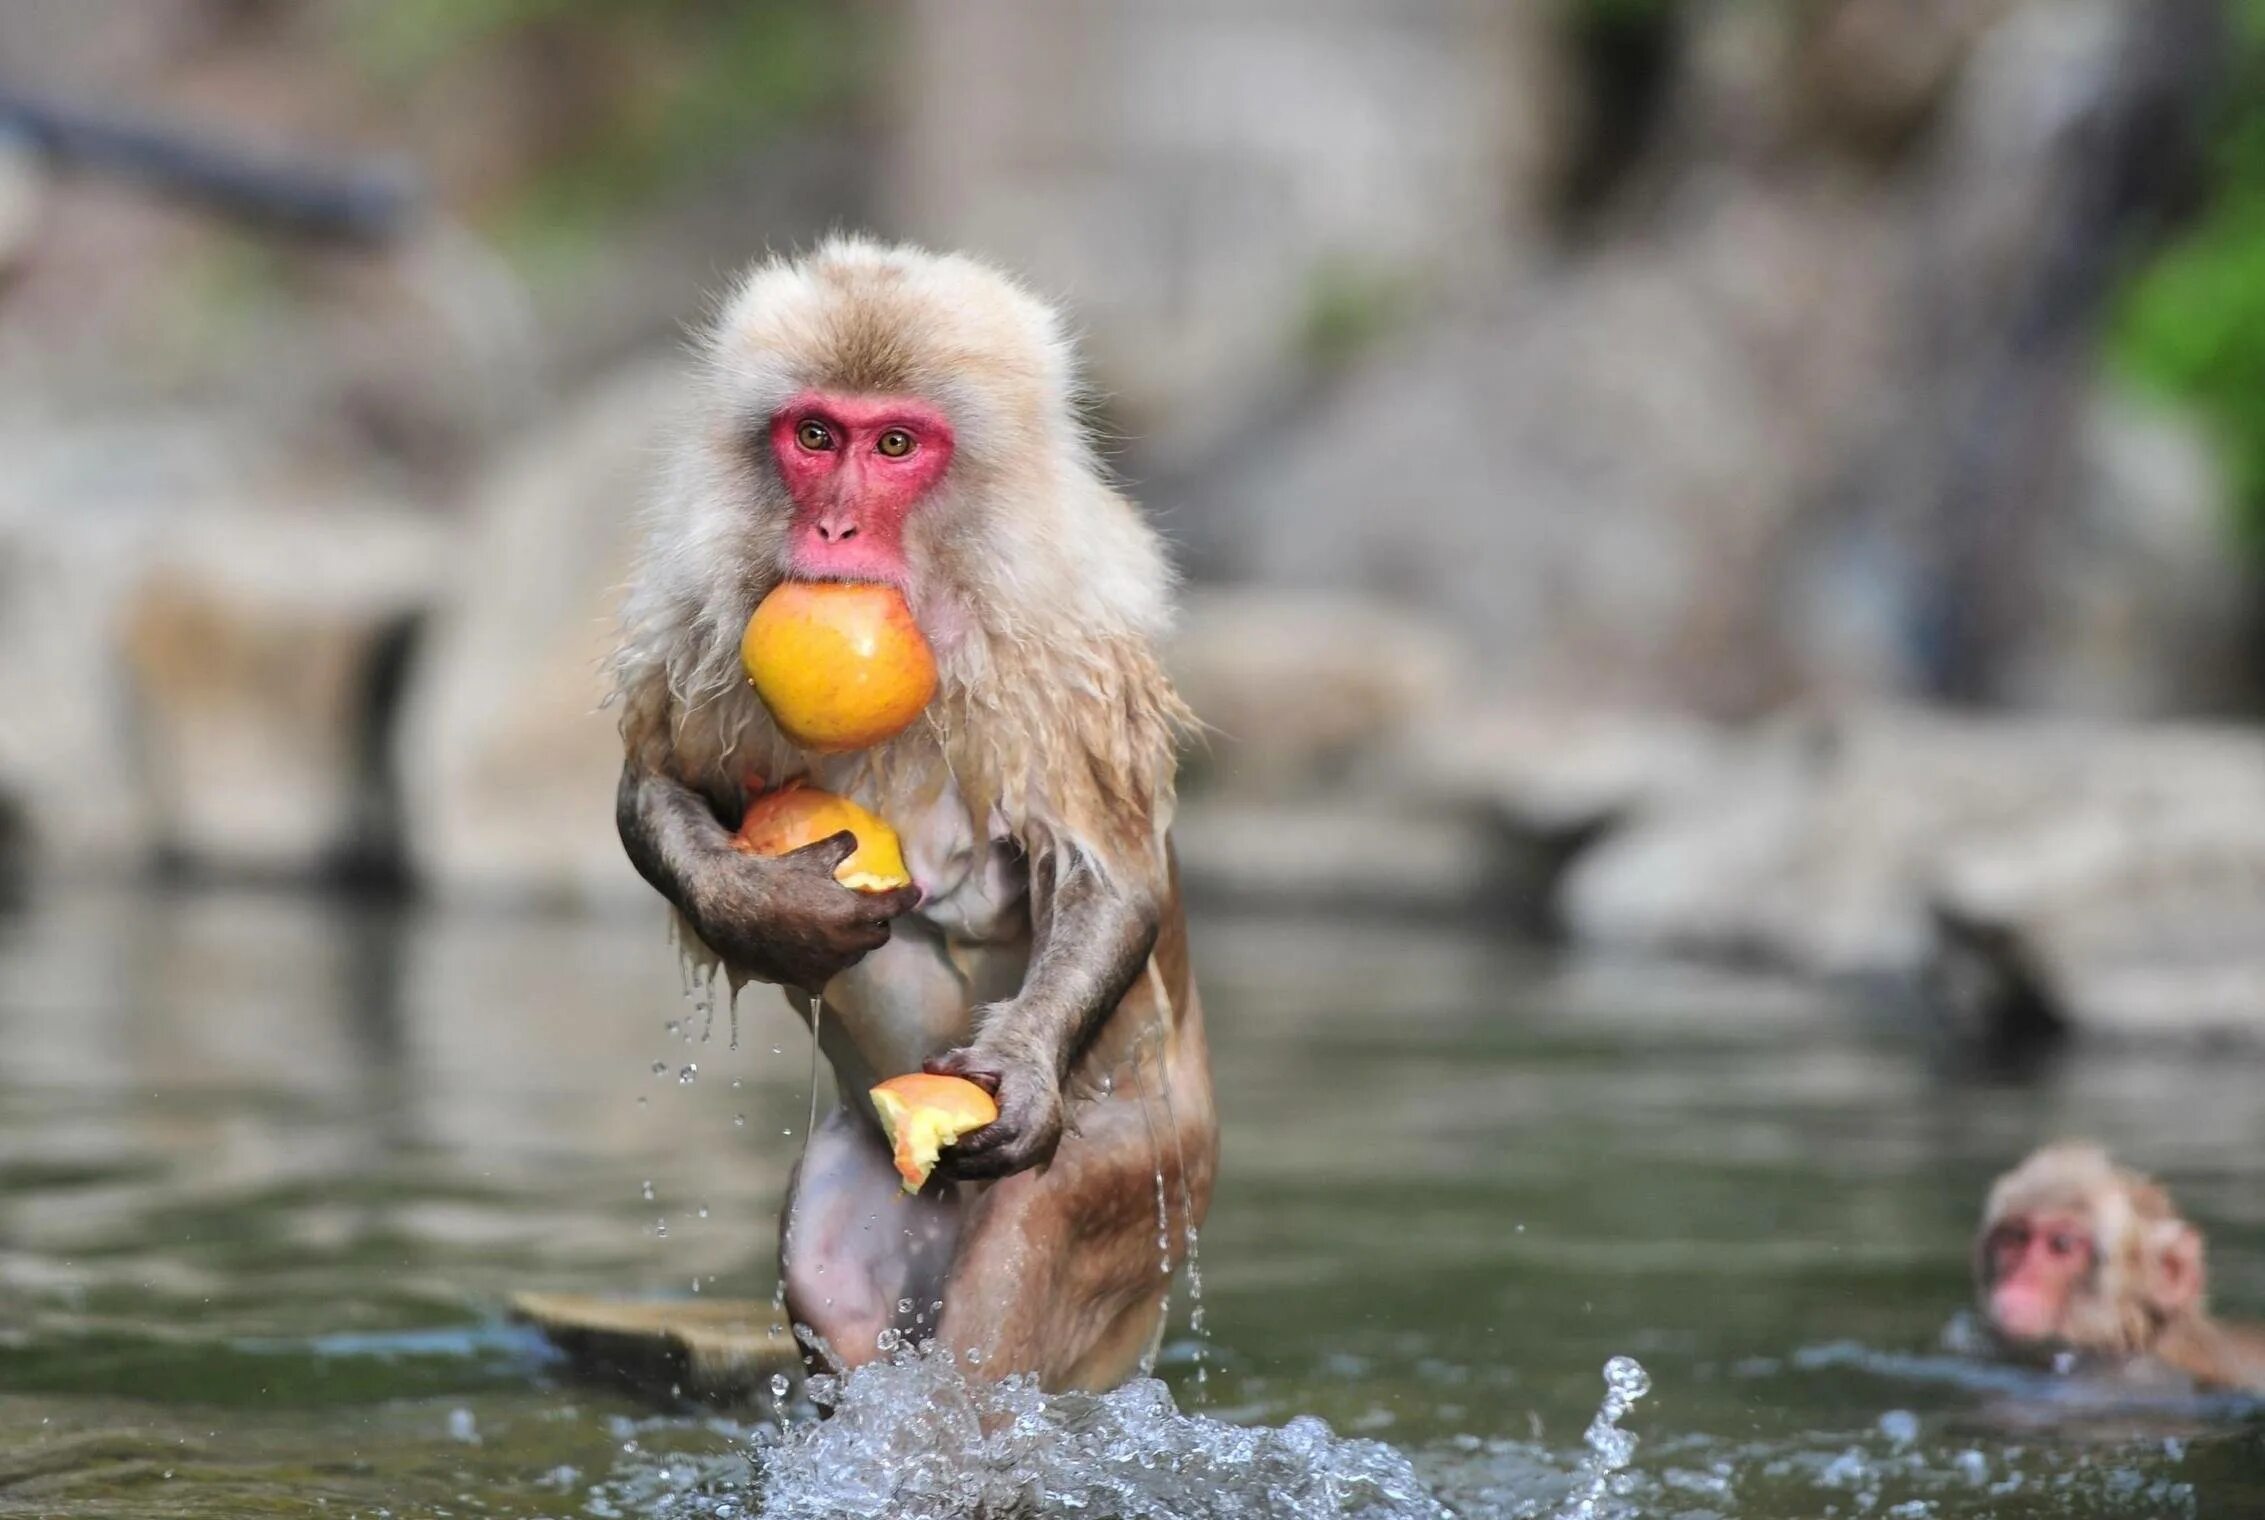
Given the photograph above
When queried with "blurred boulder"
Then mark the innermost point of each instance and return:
(1613, 457)
(1220, 186)
(2126, 918)
(1365, 852)
(1873, 72)
(82, 506)
(23, 196)
(1561, 775)
(507, 762)
(1821, 848)
(1294, 689)
(264, 652)
(1820, 365)
(1539, 784)
(2145, 606)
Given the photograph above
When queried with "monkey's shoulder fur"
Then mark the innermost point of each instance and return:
(1040, 586)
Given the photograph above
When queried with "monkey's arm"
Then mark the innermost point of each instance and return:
(782, 919)
(1091, 942)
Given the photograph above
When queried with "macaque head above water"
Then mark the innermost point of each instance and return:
(2078, 1254)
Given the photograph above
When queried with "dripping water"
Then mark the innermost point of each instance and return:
(1163, 1215)
(778, 1294)
(1162, 1004)
(817, 1011)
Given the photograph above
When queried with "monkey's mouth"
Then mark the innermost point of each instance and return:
(2022, 1317)
(853, 562)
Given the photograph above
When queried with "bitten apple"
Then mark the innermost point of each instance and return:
(922, 1114)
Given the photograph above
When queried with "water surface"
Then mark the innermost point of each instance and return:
(269, 1168)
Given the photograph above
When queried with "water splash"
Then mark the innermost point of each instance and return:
(1610, 1447)
(914, 1437)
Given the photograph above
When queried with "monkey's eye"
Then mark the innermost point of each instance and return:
(814, 436)
(895, 443)
(2061, 1243)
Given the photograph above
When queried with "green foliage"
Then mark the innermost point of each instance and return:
(2192, 324)
(1348, 308)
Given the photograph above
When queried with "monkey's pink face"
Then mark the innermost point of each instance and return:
(2036, 1264)
(858, 468)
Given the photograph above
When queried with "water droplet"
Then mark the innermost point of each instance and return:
(660, 1227)
(648, 1190)
(738, 1121)
(685, 1076)
(1626, 1376)
(703, 1211)
(779, 1385)
(660, 1068)
(904, 1306)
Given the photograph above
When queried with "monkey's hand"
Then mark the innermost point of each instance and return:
(1028, 1089)
(780, 918)
(1092, 941)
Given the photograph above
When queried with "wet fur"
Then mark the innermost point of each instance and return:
(2112, 1316)
(1042, 589)
(1043, 594)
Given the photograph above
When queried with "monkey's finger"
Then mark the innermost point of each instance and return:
(956, 1063)
(981, 1142)
(977, 1167)
(889, 904)
(828, 852)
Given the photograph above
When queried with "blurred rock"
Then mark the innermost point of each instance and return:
(1822, 847)
(508, 765)
(1874, 71)
(1218, 186)
(1561, 774)
(1373, 854)
(1725, 453)
(81, 507)
(2146, 607)
(264, 653)
(2124, 920)
(1444, 806)
(1295, 689)
(1613, 457)
(719, 1351)
(23, 196)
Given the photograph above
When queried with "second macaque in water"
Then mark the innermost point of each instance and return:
(876, 414)
(2077, 1256)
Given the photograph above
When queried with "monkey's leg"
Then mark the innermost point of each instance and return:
(853, 1245)
(1060, 1271)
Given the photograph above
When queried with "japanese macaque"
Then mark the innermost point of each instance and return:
(2078, 1255)
(874, 413)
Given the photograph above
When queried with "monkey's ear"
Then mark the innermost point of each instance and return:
(2173, 1269)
